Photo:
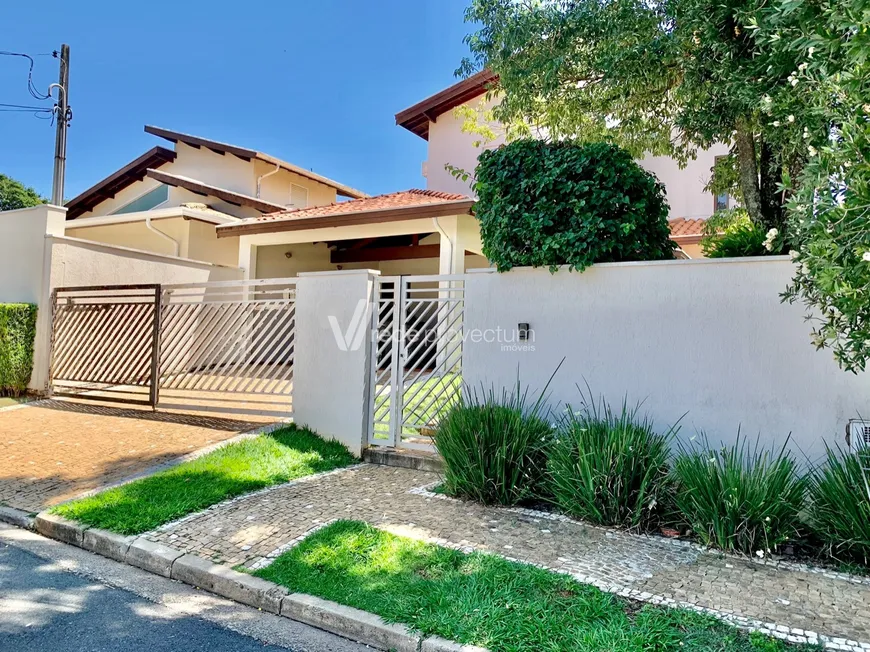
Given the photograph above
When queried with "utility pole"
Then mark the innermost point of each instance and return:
(62, 121)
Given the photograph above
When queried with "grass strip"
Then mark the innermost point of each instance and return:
(229, 471)
(485, 600)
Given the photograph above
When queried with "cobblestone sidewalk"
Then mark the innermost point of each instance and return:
(802, 603)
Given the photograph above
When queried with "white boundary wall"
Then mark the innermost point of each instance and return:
(35, 257)
(707, 337)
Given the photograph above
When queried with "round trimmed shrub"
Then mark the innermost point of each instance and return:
(543, 204)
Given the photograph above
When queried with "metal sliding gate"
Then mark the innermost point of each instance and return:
(221, 346)
(416, 368)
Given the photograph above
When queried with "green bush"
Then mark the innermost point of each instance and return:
(732, 234)
(17, 333)
(739, 498)
(609, 467)
(546, 204)
(494, 447)
(840, 505)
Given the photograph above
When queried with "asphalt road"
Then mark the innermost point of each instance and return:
(59, 598)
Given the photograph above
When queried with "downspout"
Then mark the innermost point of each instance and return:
(268, 174)
(175, 244)
(449, 241)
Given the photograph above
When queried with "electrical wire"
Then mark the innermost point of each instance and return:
(31, 87)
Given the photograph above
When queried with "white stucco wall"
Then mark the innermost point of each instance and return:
(709, 337)
(685, 187)
(330, 380)
(25, 266)
(79, 262)
(448, 145)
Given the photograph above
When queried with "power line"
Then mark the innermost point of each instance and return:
(31, 87)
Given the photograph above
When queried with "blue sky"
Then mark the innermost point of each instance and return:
(316, 83)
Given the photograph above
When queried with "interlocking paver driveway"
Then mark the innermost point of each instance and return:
(247, 530)
(53, 450)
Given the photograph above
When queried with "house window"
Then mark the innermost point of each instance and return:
(298, 196)
(720, 200)
(151, 199)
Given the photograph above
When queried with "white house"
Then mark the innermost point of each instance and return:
(437, 121)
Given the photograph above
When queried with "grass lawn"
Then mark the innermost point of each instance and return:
(229, 471)
(485, 600)
(419, 407)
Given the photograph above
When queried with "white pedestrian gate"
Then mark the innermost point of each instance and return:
(416, 368)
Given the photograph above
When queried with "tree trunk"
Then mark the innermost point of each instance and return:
(747, 168)
(771, 197)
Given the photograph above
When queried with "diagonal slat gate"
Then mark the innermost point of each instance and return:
(194, 346)
(106, 337)
(416, 373)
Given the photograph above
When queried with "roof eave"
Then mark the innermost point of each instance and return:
(398, 214)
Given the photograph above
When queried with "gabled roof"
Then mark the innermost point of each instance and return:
(114, 183)
(406, 205)
(250, 154)
(207, 190)
(416, 119)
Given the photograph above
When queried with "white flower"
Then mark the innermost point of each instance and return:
(812, 151)
(866, 257)
(776, 123)
(810, 52)
(794, 81)
(759, 554)
(791, 118)
(768, 520)
(805, 269)
(770, 238)
(794, 255)
(806, 133)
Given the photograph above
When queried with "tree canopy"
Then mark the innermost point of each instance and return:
(15, 195)
(665, 78)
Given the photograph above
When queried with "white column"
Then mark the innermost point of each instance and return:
(452, 252)
(248, 257)
(51, 221)
(332, 351)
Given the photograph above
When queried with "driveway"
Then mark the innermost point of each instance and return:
(54, 450)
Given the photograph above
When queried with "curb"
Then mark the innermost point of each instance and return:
(351, 623)
(17, 517)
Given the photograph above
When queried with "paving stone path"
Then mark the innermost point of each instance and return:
(802, 602)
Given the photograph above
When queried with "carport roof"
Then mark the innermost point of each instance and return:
(405, 205)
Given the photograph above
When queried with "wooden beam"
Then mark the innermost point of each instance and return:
(386, 253)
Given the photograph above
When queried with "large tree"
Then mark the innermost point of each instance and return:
(15, 195)
(662, 77)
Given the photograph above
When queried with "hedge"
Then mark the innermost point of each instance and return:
(17, 333)
(543, 204)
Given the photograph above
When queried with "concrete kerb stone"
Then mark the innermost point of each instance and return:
(107, 544)
(60, 528)
(357, 625)
(438, 644)
(229, 583)
(17, 517)
(154, 557)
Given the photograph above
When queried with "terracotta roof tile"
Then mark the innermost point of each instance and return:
(686, 228)
(403, 199)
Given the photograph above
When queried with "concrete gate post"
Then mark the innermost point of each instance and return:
(332, 351)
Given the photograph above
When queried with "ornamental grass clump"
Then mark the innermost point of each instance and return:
(739, 498)
(494, 447)
(610, 467)
(839, 509)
